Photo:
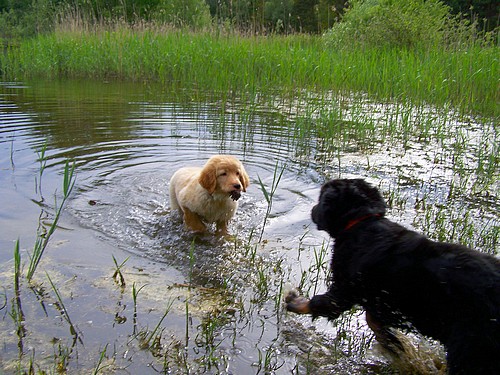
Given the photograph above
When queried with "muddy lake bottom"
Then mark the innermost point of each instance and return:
(123, 288)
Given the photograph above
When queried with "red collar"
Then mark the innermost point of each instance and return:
(352, 223)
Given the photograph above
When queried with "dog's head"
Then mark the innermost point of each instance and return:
(343, 200)
(224, 174)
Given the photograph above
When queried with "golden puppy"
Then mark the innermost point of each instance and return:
(208, 194)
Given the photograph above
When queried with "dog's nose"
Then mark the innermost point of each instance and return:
(237, 186)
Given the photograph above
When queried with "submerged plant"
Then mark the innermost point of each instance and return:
(152, 339)
(99, 368)
(207, 337)
(64, 313)
(320, 266)
(117, 275)
(17, 313)
(43, 163)
(269, 362)
(135, 293)
(191, 267)
(43, 234)
(269, 194)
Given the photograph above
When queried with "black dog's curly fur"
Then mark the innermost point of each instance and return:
(402, 279)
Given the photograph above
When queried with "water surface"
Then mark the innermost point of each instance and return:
(222, 297)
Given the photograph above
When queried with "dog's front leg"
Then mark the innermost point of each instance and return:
(319, 305)
(221, 228)
(193, 221)
(384, 334)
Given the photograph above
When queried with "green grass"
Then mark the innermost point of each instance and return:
(465, 78)
(269, 194)
(44, 233)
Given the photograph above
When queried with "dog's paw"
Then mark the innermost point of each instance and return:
(297, 303)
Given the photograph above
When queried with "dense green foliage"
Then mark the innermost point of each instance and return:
(462, 78)
(22, 18)
(480, 10)
(25, 18)
(392, 49)
(403, 23)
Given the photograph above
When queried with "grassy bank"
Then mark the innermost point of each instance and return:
(467, 78)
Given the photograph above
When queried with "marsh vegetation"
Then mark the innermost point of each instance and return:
(139, 292)
(96, 116)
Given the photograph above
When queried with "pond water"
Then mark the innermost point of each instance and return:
(185, 304)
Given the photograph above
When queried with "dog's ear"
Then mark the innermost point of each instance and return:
(208, 177)
(369, 196)
(244, 179)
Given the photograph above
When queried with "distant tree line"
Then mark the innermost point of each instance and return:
(283, 16)
(21, 18)
(317, 16)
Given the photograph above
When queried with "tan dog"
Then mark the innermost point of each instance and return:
(209, 194)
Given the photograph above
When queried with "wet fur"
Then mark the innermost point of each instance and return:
(402, 279)
(208, 194)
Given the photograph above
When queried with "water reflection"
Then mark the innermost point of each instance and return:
(128, 139)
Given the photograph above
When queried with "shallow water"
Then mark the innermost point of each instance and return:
(439, 172)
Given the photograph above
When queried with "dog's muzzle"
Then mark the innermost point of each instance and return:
(317, 218)
(235, 195)
(314, 215)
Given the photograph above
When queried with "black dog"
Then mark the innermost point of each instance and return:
(402, 279)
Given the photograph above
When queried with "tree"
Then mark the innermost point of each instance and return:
(487, 10)
(278, 15)
(398, 23)
(181, 13)
(330, 12)
(304, 16)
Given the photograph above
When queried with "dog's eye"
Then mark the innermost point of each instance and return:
(223, 174)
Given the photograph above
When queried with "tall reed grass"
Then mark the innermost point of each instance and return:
(465, 78)
(44, 234)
